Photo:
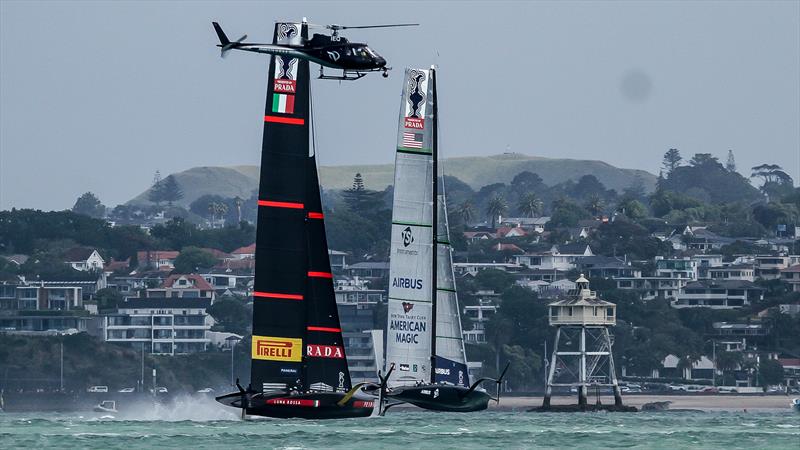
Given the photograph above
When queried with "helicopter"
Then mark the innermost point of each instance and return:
(354, 59)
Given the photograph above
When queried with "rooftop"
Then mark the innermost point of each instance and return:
(165, 303)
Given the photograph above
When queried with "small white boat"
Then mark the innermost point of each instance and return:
(106, 406)
(796, 404)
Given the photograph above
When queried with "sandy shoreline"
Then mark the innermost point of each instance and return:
(705, 402)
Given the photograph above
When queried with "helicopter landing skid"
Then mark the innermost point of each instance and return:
(345, 76)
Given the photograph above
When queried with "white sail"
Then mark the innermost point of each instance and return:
(451, 360)
(408, 335)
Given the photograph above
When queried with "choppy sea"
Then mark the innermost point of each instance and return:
(204, 425)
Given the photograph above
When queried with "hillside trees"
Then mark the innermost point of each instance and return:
(89, 205)
(191, 258)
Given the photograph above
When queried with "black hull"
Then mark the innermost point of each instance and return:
(439, 397)
(317, 405)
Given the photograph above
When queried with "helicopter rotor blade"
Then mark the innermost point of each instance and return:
(336, 27)
(342, 27)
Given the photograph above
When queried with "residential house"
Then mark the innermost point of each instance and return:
(791, 275)
(160, 325)
(607, 267)
(246, 252)
(475, 330)
(17, 260)
(685, 268)
(529, 224)
(705, 241)
(769, 267)
(499, 247)
(653, 287)
(744, 272)
(84, 259)
(42, 308)
(183, 286)
(510, 232)
(718, 294)
(700, 370)
(559, 257)
(227, 284)
(705, 262)
(369, 269)
(356, 304)
(364, 350)
(157, 259)
(338, 259)
(475, 236)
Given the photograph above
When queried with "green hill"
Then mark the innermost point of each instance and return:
(477, 171)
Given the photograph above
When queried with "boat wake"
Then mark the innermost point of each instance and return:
(181, 408)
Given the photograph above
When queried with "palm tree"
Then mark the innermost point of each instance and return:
(466, 211)
(238, 202)
(497, 206)
(212, 209)
(222, 209)
(530, 205)
(595, 205)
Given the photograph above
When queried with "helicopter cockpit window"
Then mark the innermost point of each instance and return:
(371, 53)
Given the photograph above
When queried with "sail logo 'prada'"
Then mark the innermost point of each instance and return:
(324, 351)
(270, 348)
(415, 103)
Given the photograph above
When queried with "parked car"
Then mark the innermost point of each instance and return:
(207, 390)
(727, 390)
(160, 390)
(102, 389)
(127, 390)
(710, 390)
(631, 389)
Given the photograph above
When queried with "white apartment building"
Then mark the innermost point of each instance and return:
(166, 326)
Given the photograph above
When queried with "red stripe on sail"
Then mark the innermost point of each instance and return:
(320, 274)
(277, 295)
(316, 215)
(286, 120)
(273, 204)
(328, 329)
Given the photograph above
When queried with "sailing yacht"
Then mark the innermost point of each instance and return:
(425, 358)
(298, 363)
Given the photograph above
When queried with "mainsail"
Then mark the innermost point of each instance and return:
(421, 279)
(297, 341)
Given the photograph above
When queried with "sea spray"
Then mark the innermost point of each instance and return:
(198, 408)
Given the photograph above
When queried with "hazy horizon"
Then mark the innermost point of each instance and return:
(98, 96)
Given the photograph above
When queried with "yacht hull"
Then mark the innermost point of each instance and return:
(315, 405)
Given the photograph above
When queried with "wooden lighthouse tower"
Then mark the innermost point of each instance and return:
(582, 355)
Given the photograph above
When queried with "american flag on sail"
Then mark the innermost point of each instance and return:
(412, 140)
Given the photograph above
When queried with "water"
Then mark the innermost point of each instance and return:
(204, 425)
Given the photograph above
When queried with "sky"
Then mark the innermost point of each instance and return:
(97, 96)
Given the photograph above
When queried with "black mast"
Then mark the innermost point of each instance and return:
(435, 221)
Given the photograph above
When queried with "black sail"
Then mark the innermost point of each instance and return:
(326, 364)
(282, 260)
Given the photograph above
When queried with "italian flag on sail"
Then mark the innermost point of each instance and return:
(282, 103)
